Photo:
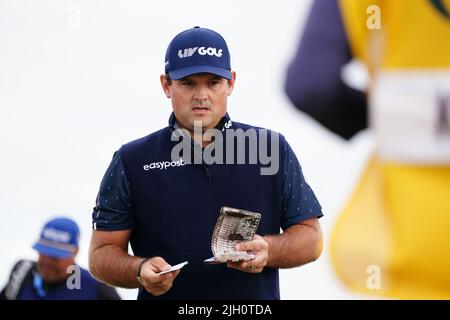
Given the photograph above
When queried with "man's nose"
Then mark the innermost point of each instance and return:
(201, 94)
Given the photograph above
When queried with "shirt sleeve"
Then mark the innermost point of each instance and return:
(299, 202)
(114, 208)
(20, 275)
(313, 79)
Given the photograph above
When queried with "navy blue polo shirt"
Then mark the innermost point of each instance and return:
(172, 208)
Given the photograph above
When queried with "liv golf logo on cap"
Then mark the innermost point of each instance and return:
(201, 51)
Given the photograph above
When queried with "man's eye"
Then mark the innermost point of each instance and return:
(213, 83)
(186, 83)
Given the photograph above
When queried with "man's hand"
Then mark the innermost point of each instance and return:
(154, 283)
(260, 248)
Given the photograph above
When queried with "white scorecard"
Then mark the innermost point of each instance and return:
(173, 268)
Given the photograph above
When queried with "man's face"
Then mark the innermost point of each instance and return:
(201, 97)
(54, 269)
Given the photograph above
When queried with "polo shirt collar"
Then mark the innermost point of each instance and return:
(224, 123)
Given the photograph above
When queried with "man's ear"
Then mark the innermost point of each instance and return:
(165, 85)
(231, 82)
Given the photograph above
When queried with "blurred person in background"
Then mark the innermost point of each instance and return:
(392, 237)
(55, 276)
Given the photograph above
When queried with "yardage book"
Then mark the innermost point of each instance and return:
(233, 226)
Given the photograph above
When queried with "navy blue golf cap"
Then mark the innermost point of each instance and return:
(59, 238)
(197, 50)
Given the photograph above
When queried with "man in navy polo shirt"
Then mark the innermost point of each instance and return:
(163, 193)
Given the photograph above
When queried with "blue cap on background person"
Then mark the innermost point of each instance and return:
(59, 238)
(197, 50)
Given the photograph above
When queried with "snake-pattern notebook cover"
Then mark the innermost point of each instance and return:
(233, 226)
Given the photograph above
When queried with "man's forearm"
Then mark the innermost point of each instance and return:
(111, 264)
(298, 245)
